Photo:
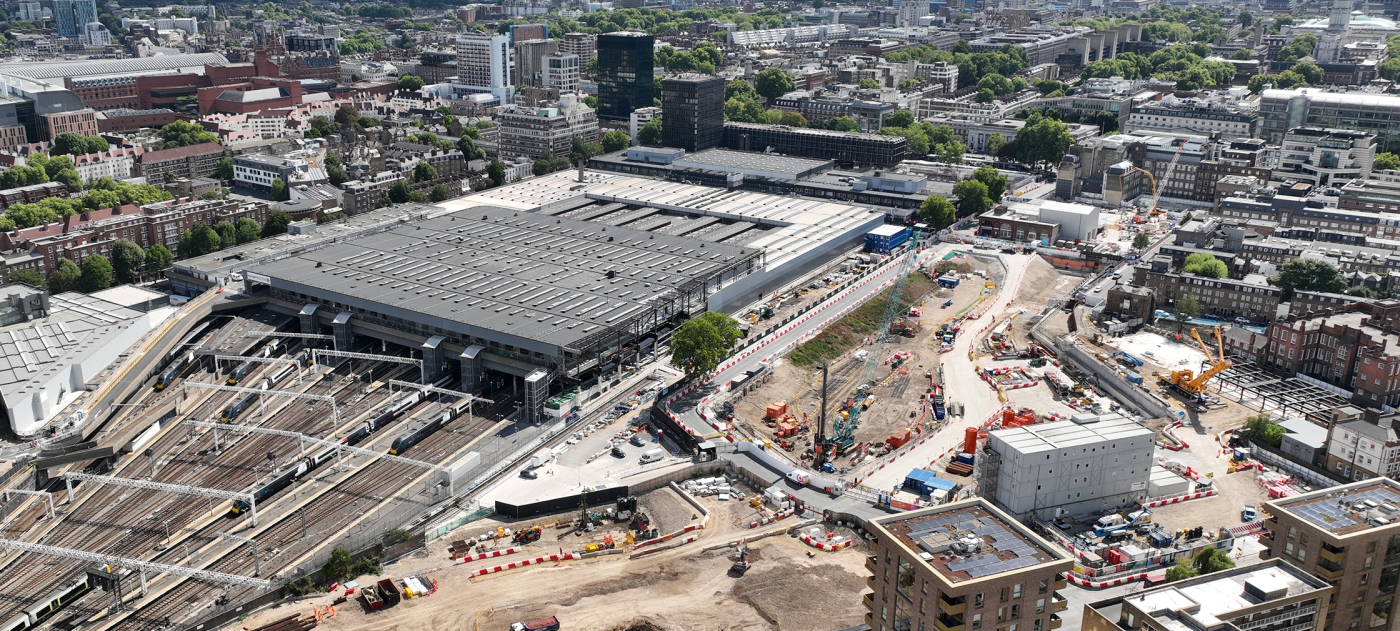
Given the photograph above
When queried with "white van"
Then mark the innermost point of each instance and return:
(653, 455)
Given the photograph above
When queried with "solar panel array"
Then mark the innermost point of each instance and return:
(988, 563)
(1332, 515)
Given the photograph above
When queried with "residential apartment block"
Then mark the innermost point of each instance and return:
(1349, 537)
(959, 567)
(184, 162)
(1363, 444)
(1271, 595)
(1353, 349)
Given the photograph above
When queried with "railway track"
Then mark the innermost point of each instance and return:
(130, 522)
(326, 515)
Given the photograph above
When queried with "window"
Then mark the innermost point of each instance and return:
(1015, 591)
(977, 621)
(977, 601)
(1040, 605)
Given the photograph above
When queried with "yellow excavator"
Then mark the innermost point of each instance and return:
(1191, 384)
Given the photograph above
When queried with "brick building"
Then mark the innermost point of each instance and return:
(185, 162)
(930, 571)
(1354, 349)
(1347, 536)
(79, 236)
(113, 121)
(1251, 297)
(83, 121)
(31, 194)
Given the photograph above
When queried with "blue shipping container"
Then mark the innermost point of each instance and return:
(924, 482)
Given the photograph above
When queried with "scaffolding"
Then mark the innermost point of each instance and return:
(317, 353)
(335, 412)
(147, 485)
(142, 567)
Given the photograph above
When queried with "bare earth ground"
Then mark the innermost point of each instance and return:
(676, 590)
(896, 399)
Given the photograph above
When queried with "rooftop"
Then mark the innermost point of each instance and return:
(27, 348)
(1347, 509)
(1084, 430)
(968, 540)
(93, 67)
(524, 274)
(1207, 601)
(728, 160)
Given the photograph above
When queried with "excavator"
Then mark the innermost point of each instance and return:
(1192, 385)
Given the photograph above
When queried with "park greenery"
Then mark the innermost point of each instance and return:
(703, 342)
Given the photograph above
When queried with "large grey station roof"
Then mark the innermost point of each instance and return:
(533, 276)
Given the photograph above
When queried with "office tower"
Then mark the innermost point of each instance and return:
(65, 18)
(85, 12)
(561, 70)
(550, 127)
(484, 62)
(624, 77)
(692, 112)
(585, 45)
(529, 59)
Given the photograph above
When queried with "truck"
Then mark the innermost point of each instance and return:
(543, 624)
(539, 459)
(1249, 513)
(939, 411)
(1110, 524)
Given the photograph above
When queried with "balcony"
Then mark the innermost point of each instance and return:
(1338, 556)
(868, 600)
(870, 582)
(1055, 621)
(870, 562)
(1291, 614)
(1058, 603)
(1061, 582)
(954, 607)
(949, 623)
(869, 619)
(1266, 534)
(1331, 575)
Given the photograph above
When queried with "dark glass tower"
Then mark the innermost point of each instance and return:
(692, 112)
(624, 73)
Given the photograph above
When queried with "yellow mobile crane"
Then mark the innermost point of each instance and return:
(1191, 384)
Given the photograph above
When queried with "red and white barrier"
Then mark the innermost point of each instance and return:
(680, 543)
(488, 555)
(1100, 584)
(1177, 500)
(822, 545)
(568, 556)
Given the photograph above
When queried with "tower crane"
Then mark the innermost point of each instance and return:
(1166, 177)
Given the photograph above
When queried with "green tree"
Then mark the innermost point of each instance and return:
(223, 169)
(71, 179)
(200, 240)
(29, 277)
(1243, 54)
(276, 224)
(336, 174)
(76, 144)
(183, 134)
(1141, 241)
(773, 83)
(398, 193)
(496, 172)
(15, 177)
(158, 258)
(1389, 69)
(1386, 162)
(1212, 560)
(246, 230)
(938, 212)
(64, 277)
(1310, 71)
(339, 566)
(1043, 139)
(1246, 19)
(741, 109)
(995, 142)
(650, 133)
(1181, 571)
(422, 172)
(1186, 309)
(739, 87)
(899, 118)
(228, 235)
(869, 84)
(440, 193)
(843, 123)
(279, 190)
(468, 147)
(697, 348)
(347, 114)
(410, 82)
(617, 140)
(727, 327)
(972, 197)
(1205, 265)
(1262, 428)
(995, 181)
(985, 95)
(1360, 291)
(96, 274)
(128, 261)
(1308, 275)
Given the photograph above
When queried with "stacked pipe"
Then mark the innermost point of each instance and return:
(290, 623)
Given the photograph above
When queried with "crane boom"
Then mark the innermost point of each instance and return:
(1204, 348)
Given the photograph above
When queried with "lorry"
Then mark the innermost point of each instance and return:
(1249, 513)
(939, 410)
(1110, 524)
(539, 459)
(543, 624)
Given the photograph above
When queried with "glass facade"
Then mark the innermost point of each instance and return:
(692, 112)
(625, 70)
